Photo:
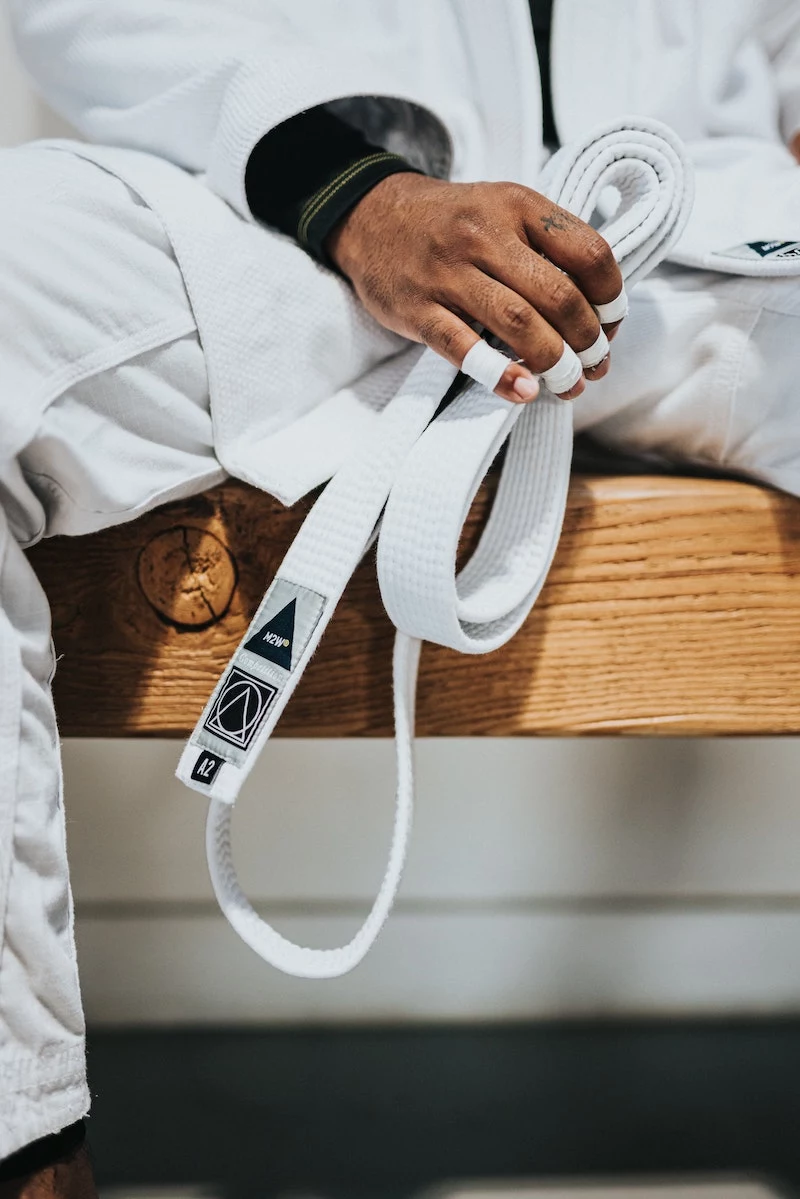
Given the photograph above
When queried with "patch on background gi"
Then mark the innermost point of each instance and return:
(240, 707)
(776, 251)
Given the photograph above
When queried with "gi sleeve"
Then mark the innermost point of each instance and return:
(781, 36)
(201, 82)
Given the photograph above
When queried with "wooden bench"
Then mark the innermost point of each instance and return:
(673, 607)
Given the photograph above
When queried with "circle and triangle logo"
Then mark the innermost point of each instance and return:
(240, 707)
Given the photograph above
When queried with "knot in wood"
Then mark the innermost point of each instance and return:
(187, 576)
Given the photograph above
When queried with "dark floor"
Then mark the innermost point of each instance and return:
(367, 1113)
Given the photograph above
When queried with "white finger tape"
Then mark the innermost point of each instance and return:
(596, 352)
(565, 374)
(485, 364)
(614, 310)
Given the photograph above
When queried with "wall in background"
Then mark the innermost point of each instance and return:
(546, 877)
(23, 115)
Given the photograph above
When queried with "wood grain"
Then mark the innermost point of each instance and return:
(673, 607)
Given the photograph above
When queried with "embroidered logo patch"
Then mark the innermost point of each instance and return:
(284, 624)
(775, 250)
(207, 767)
(240, 708)
(274, 641)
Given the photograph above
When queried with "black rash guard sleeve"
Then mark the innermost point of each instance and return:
(307, 173)
(43, 1153)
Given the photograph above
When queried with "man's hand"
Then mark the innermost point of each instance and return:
(427, 257)
(794, 146)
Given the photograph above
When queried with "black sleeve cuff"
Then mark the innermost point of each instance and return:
(305, 175)
(41, 1154)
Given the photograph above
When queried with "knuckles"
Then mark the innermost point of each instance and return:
(461, 235)
(440, 247)
(596, 255)
(470, 228)
(443, 337)
(428, 329)
(517, 318)
(512, 195)
(448, 338)
(567, 299)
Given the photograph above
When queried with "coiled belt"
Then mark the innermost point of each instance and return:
(415, 478)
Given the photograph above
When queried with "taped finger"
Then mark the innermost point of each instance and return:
(596, 353)
(614, 310)
(485, 364)
(565, 374)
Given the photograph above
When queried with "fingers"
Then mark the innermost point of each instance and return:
(451, 337)
(576, 248)
(555, 297)
(543, 281)
(532, 338)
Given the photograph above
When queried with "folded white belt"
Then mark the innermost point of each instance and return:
(422, 474)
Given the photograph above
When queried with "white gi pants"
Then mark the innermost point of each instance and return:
(126, 426)
(100, 355)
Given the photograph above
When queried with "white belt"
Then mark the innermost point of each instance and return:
(422, 474)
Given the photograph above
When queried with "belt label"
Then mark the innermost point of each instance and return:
(250, 690)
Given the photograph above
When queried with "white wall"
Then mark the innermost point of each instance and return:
(546, 877)
(23, 115)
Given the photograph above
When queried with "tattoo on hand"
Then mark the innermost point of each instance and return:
(554, 220)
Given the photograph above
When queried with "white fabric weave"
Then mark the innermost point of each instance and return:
(180, 93)
(416, 467)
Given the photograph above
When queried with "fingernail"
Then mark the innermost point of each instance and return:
(575, 391)
(526, 389)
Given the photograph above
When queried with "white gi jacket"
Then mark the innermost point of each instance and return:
(182, 91)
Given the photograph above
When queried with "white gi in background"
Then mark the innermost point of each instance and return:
(118, 262)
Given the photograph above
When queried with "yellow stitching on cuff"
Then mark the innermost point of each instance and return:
(317, 202)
